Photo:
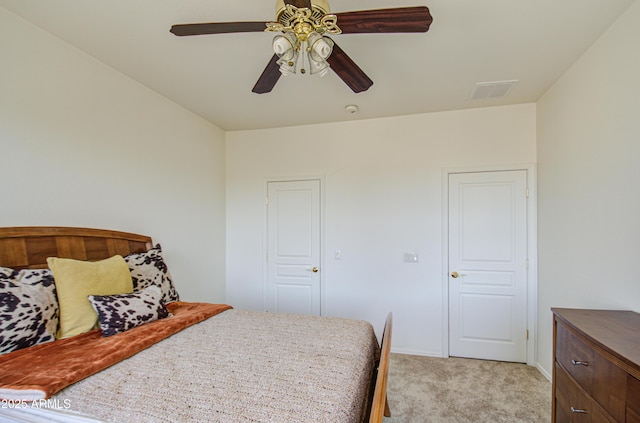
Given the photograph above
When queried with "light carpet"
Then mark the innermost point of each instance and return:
(458, 390)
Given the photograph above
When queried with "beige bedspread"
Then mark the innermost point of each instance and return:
(42, 370)
(239, 366)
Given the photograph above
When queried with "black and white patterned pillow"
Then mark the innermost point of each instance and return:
(148, 269)
(28, 308)
(119, 313)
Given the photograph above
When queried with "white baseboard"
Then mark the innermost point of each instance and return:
(543, 371)
(420, 353)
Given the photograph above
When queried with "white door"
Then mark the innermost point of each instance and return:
(488, 265)
(293, 239)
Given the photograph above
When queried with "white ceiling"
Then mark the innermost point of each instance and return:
(470, 41)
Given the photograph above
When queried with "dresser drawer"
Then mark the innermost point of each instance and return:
(572, 404)
(633, 400)
(605, 382)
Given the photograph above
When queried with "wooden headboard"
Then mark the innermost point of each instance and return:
(28, 247)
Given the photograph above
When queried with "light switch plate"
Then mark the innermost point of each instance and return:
(411, 258)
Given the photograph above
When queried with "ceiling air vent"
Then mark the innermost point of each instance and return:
(495, 89)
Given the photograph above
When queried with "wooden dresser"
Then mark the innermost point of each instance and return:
(596, 375)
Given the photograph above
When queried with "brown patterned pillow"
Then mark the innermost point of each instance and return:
(28, 308)
(149, 268)
(119, 313)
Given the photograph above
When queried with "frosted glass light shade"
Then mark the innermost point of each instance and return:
(284, 46)
(321, 47)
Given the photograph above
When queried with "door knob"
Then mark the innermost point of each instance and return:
(454, 274)
(315, 269)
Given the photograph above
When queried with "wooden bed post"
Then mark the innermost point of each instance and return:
(380, 404)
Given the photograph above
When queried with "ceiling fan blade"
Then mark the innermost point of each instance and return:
(348, 71)
(400, 19)
(269, 77)
(217, 28)
(299, 3)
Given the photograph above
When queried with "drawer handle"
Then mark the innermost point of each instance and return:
(578, 410)
(580, 363)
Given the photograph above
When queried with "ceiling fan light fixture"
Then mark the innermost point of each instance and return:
(319, 68)
(315, 51)
(303, 28)
(288, 68)
(286, 46)
(320, 47)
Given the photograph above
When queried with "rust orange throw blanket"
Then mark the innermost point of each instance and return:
(40, 371)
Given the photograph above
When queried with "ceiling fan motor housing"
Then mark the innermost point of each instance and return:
(319, 8)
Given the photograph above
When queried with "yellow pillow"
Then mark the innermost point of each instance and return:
(76, 279)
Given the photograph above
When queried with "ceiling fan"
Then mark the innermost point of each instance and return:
(303, 43)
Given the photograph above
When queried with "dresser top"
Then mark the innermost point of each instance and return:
(616, 331)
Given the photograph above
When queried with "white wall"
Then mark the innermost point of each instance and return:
(383, 197)
(588, 181)
(83, 145)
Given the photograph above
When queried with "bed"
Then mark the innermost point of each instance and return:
(189, 362)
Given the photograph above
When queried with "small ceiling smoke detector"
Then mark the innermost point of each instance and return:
(352, 109)
(495, 89)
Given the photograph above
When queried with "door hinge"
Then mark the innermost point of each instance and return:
(527, 334)
(527, 263)
(266, 201)
(527, 192)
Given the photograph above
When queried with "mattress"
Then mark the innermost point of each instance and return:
(238, 366)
